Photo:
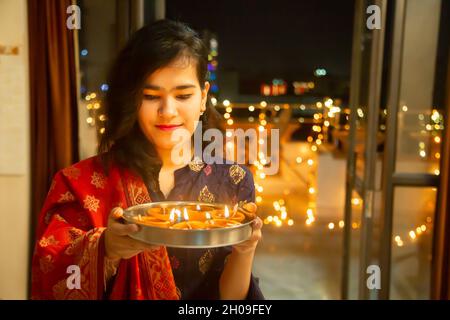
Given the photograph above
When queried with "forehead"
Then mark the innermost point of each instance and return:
(181, 71)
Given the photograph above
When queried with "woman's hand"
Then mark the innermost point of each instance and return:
(249, 246)
(118, 244)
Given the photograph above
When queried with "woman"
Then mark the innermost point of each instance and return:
(157, 85)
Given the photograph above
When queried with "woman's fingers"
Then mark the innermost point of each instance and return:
(118, 228)
(257, 224)
(250, 206)
(131, 247)
(116, 213)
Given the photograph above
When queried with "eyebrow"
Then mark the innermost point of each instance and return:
(180, 87)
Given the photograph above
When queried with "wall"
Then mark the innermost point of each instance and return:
(14, 152)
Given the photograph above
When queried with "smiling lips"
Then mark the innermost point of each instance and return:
(167, 127)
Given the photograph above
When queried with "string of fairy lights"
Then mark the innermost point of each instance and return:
(325, 116)
(95, 115)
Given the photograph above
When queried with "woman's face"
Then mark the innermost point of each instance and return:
(173, 99)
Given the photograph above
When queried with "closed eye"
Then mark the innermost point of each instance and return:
(184, 96)
(150, 97)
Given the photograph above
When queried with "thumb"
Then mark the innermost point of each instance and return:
(116, 225)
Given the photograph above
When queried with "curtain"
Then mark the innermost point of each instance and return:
(53, 96)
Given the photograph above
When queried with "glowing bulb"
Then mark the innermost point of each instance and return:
(258, 199)
(185, 214)
(226, 103)
(261, 128)
(228, 109)
(230, 122)
(331, 226)
(437, 139)
(311, 190)
(251, 108)
(290, 222)
(341, 224)
(310, 162)
(263, 104)
(412, 234)
(299, 159)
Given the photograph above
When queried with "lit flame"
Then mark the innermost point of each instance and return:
(198, 207)
(208, 216)
(172, 216)
(227, 212)
(185, 214)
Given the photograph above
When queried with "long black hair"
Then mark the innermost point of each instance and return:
(149, 49)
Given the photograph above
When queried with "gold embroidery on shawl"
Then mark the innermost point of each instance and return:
(98, 180)
(46, 263)
(50, 241)
(66, 197)
(91, 203)
(72, 172)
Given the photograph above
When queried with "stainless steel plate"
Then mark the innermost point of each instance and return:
(181, 238)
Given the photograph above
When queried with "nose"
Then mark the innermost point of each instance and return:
(168, 108)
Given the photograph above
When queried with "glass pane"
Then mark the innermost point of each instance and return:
(412, 242)
(97, 48)
(355, 248)
(419, 124)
